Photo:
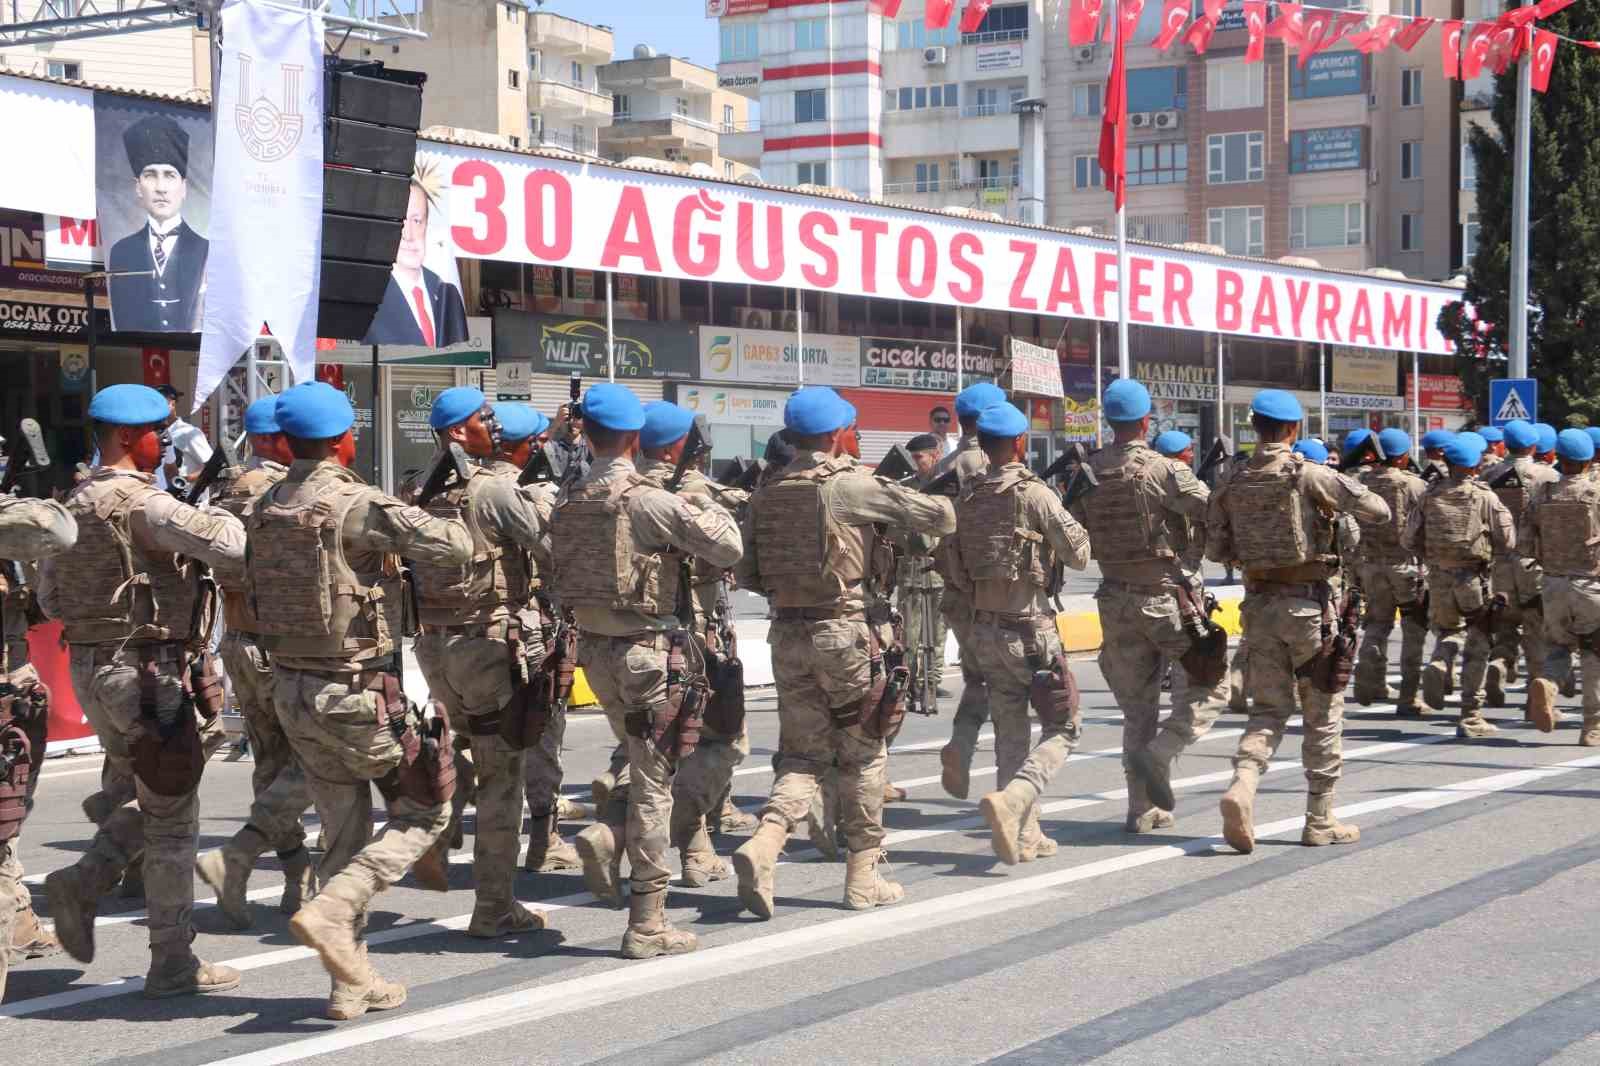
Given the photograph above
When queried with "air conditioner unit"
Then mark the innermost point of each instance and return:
(753, 317)
(1084, 53)
(935, 56)
(789, 320)
(1168, 120)
(1139, 119)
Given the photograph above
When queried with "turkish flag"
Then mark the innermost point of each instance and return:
(1130, 11)
(1544, 59)
(1450, 49)
(1476, 50)
(1289, 26)
(156, 363)
(887, 8)
(331, 374)
(1314, 23)
(1408, 37)
(1199, 35)
(1083, 22)
(1545, 8)
(972, 15)
(1377, 38)
(1255, 20)
(1503, 45)
(1114, 126)
(1174, 16)
(936, 16)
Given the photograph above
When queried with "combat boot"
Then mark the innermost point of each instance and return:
(1473, 725)
(955, 771)
(299, 880)
(489, 922)
(570, 810)
(1435, 684)
(1005, 812)
(1153, 767)
(700, 862)
(1542, 710)
(29, 939)
(1494, 684)
(1034, 844)
(600, 853)
(863, 888)
(600, 790)
(1143, 817)
(177, 971)
(73, 908)
(733, 820)
(1589, 737)
(754, 864)
(1373, 690)
(893, 793)
(227, 871)
(1239, 809)
(1322, 827)
(649, 933)
(821, 829)
(327, 926)
(351, 1000)
(547, 852)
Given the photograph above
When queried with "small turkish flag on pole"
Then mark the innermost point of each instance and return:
(1476, 50)
(1114, 126)
(1545, 8)
(1174, 16)
(1289, 26)
(1255, 20)
(1544, 59)
(1083, 22)
(1450, 49)
(936, 16)
(972, 15)
(1377, 38)
(1407, 38)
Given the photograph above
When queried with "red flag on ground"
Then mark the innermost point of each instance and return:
(1450, 49)
(1083, 22)
(1289, 26)
(1476, 50)
(1408, 37)
(936, 16)
(1377, 38)
(1255, 20)
(1545, 8)
(1174, 16)
(972, 15)
(1544, 58)
(1114, 126)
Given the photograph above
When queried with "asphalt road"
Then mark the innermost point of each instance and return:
(1463, 928)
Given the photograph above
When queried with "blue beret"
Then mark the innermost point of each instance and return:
(1172, 442)
(1519, 435)
(314, 411)
(541, 422)
(1125, 400)
(613, 407)
(1002, 420)
(128, 405)
(1355, 437)
(1594, 433)
(1476, 440)
(1547, 437)
(1492, 434)
(517, 421)
(455, 406)
(1464, 449)
(664, 423)
(974, 398)
(1438, 438)
(1574, 444)
(1394, 442)
(1276, 405)
(1312, 449)
(262, 416)
(818, 409)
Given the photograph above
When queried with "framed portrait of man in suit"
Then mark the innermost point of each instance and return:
(422, 305)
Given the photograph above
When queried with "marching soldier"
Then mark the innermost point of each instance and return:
(1273, 515)
(818, 556)
(132, 609)
(1545, 449)
(1458, 528)
(969, 463)
(30, 531)
(1013, 535)
(917, 580)
(1148, 603)
(324, 587)
(1561, 532)
(1497, 442)
(277, 782)
(1392, 580)
(1433, 443)
(617, 542)
(1516, 578)
(1188, 534)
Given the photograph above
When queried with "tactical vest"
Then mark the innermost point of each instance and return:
(107, 589)
(1380, 541)
(16, 613)
(595, 562)
(1453, 524)
(236, 499)
(996, 543)
(496, 575)
(806, 556)
(1272, 522)
(1569, 527)
(1124, 525)
(1513, 492)
(300, 592)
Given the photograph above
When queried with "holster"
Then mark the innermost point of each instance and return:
(1335, 661)
(885, 710)
(1206, 661)
(725, 676)
(1053, 695)
(427, 770)
(539, 689)
(168, 757)
(675, 725)
(204, 683)
(16, 768)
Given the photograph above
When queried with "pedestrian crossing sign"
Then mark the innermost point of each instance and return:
(1511, 399)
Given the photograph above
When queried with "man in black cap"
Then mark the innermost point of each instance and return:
(164, 261)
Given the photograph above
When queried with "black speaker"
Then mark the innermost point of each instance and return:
(371, 116)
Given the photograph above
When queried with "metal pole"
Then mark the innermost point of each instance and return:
(799, 339)
(1519, 212)
(1222, 427)
(611, 336)
(1416, 402)
(1322, 389)
(960, 359)
(91, 328)
(377, 462)
(1122, 243)
(1099, 416)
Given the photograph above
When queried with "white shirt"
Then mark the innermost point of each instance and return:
(165, 234)
(189, 450)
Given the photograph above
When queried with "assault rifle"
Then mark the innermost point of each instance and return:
(25, 456)
(1367, 450)
(540, 468)
(450, 469)
(696, 445)
(1072, 456)
(223, 461)
(1220, 450)
(898, 466)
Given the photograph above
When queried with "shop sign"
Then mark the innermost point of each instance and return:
(1080, 417)
(760, 356)
(561, 344)
(23, 256)
(477, 350)
(738, 76)
(738, 407)
(926, 366)
(41, 321)
(1332, 148)
(513, 380)
(1170, 381)
(997, 56)
(1346, 401)
(1035, 369)
(1439, 392)
(1363, 370)
(717, 8)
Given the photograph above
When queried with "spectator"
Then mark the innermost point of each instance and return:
(190, 449)
(939, 426)
(926, 450)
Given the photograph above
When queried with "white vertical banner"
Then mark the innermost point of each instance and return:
(266, 204)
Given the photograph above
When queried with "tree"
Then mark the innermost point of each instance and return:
(1564, 221)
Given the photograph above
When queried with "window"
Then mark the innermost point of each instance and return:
(727, 169)
(811, 174)
(915, 98)
(1003, 24)
(577, 74)
(1166, 163)
(919, 97)
(513, 14)
(1410, 160)
(516, 142)
(1327, 225)
(1158, 89)
(680, 106)
(1234, 157)
(1469, 238)
(1411, 232)
(1411, 87)
(811, 105)
(810, 34)
(61, 68)
(535, 128)
(989, 174)
(740, 40)
(535, 63)
(513, 79)
(1234, 84)
(1411, 8)
(1469, 166)
(1086, 99)
(914, 34)
(1238, 230)
(727, 118)
(1016, 171)
(927, 177)
(1165, 229)
(580, 138)
(1086, 172)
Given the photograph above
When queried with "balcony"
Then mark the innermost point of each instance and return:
(996, 37)
(697, 136)
(561, 101)
(743, 142)
(576, 142)
(554, 33)
(997, 194)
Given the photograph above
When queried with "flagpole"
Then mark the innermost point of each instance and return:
(1121, 201)
(1519, 212)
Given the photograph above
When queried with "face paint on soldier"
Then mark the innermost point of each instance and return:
(344, 449)
(1186, 456)
(477, 435)
(517, 452)
(270, 447)
(144, 445)
(848, 442)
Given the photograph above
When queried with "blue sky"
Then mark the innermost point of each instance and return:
(673, 27)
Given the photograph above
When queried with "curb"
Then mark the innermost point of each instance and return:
(1080, 630)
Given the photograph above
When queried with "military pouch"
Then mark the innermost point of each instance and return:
(539, 690)
(725, 707)
(427, 770)
(1206, 661)
(675, 725)
(886, 713)
(1053, 695)
(16, 768)
(205, 686)
(168, 757)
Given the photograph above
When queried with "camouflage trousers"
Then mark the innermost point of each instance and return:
(468, 670)
(1456, 602)
(282, 796)
(333, 723)
(1572, 621)
(1521, 621)
(973, 710)
(15, 900)
(629, 676)
(542, 769)
(1390, 588)
(1285, 634)
(914, 601)
(1008, 658)
(703, 778)
(823, 668)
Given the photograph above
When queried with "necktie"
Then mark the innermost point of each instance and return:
(421, 303)
(161, 252)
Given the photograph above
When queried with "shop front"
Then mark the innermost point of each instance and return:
(1442, 402)
(540, 354)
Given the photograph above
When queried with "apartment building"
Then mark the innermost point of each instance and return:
(667, 108)
(174, 61)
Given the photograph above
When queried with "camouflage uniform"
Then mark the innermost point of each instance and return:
(130, 604)
(956, 606)
(1142, 498)
(30, 530)
(1516, 577)
(815, 553)
(1560, 531)
(1457, 529)
(1013, 534)
(917, 582)
(1392, 581)
(1271, 515)
(626, 615)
